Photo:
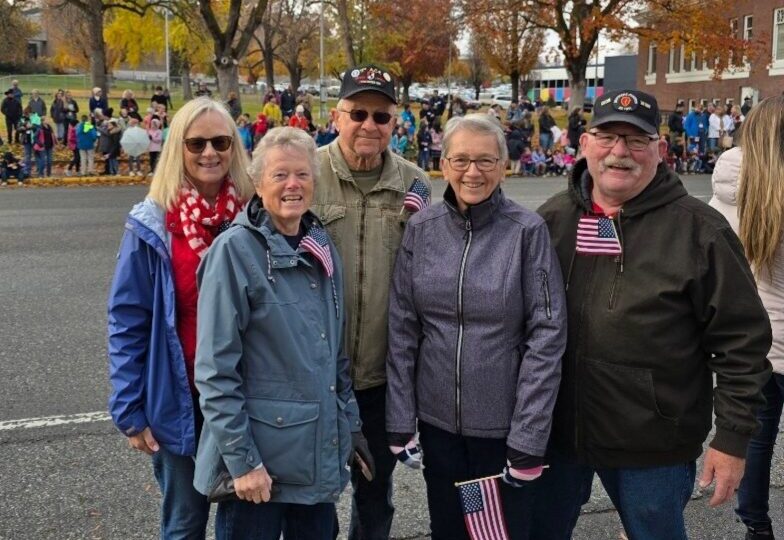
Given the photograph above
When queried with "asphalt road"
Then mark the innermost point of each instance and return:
(74, 477)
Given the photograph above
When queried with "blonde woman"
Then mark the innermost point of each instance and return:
(199, 186)
(755, 172)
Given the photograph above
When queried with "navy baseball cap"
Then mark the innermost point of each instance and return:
(630, 107)
(367, 78)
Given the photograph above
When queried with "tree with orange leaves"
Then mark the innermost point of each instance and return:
(412, 48)
(578, 23)
(509, 42)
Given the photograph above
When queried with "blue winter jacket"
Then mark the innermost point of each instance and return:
(271, 369)
(85, 140)
(146, 364)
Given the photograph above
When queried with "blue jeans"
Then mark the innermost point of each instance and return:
(713, 143)
(649, 500)
(242, 520)
(755, 486)
(371, 507)
(43, 162)
(424, 159)
(28, 158)
(184, 511)
(546, 140)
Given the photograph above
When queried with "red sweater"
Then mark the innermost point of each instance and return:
(184, 265)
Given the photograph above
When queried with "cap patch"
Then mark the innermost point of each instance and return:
(625, 102)
(370, 76)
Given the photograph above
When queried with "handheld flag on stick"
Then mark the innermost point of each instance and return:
(418, 196)
(316, 243)
(482, 509)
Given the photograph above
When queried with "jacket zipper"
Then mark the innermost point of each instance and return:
(360, 274)
(460, 324)
(611, 303)
(546, 291)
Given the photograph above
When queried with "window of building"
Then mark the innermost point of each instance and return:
(778, 35)
(651, 58)
(675, 60)
(748, 27)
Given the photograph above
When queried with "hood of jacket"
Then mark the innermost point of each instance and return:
(665, 187)
(725, 185)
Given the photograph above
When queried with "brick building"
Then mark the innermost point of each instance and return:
(675, 75)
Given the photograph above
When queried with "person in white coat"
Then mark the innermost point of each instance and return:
(748, 189)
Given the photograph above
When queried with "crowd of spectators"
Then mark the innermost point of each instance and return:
(537, 145)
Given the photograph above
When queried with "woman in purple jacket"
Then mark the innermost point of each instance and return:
(477, 327)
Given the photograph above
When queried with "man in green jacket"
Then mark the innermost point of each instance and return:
(360, 198)
(660, 300)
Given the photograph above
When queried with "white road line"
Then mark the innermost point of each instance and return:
(48, 421)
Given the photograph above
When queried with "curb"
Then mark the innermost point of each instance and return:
(68, 181)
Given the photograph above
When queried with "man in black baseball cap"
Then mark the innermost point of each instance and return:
(654, 281)
(359, 196)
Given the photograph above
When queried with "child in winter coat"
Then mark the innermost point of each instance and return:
(259, 128)
(424, 140)
(156, 143)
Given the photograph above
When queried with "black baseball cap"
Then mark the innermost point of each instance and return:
(630, 107)
(367, 78)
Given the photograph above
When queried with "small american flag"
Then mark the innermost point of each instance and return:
(316, 243)
(596, 236)
(418, 196)
(482, 510)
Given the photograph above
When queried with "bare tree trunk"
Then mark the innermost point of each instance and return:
(98, 49)
(345, 30)
(227, 79)
(515, 76)
(269, 67)
(187, 93)
(576, 68)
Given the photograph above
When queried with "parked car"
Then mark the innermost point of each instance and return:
(502, 101)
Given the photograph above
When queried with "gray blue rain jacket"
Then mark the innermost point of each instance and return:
(477, 324)
(274, 383)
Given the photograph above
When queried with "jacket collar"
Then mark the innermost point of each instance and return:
(478, 215)
(391, 177)
(256, 218)
(665, 188)
(148, 221)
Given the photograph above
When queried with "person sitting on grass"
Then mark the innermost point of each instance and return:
(539, 161)
(11, 166)
(527, 162)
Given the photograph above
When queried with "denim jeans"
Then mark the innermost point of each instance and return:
(371, 507)
(546, 140)
(713, 143)
(43, 162)
(242, 520)
(424, 159)
(450, 458)
(649, 500)
(184, 511)
(755, 486)
(28, 158)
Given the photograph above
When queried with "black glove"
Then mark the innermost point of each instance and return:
(521, 468)
(361, 456)
(406, 449)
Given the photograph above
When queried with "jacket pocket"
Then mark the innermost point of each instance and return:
(393, 223)
(620, 410)
(285, 432)
(331, 216)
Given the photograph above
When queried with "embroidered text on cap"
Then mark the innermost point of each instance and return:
(625, 102)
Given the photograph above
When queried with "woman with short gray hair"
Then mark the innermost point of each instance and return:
(280, 419)
(477, 327)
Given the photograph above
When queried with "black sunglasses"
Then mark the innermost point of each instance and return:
(196, 145)
(359, 115)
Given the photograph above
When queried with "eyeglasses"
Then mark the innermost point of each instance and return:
(196, 145)
(633, 142)
(462, 164)
(359, 115)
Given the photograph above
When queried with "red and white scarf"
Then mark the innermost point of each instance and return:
(196, 214)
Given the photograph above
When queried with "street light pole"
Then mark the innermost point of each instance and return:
(166, 38)
(322, 87)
